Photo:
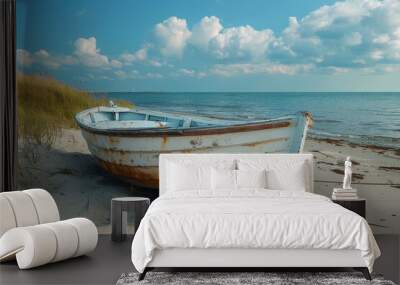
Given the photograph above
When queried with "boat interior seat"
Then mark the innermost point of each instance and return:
(172, 124)
(96, 117)
(116, 116)
(127, 120)
(187, 123)
(132, 124)
(92, 117)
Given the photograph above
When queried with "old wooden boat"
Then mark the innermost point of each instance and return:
(127, 142)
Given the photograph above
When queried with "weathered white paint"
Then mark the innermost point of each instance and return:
(136, 151)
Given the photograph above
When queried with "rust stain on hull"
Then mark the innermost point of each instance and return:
(147, 176)
(142, 176)
(254, 144)
(214, 146)
(164, 142)
(113, 140)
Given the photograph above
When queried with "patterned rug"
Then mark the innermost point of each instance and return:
(269, 278)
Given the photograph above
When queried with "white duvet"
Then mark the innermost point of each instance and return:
(250, 219)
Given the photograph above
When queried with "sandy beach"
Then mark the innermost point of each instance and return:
(375, 169)
(81, 188)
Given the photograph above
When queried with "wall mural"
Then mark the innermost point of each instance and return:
(104, 87)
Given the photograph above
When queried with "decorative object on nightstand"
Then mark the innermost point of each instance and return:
(358, 206)
(119, 214)
(346, 192)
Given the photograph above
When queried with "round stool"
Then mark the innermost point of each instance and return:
(119, 214)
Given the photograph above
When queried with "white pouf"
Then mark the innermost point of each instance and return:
(31, 232)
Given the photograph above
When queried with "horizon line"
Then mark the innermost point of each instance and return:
(93, 91)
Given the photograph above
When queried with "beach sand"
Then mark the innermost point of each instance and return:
(81, 188)
(372, 166)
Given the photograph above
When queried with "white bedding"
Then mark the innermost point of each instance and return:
(250, 218)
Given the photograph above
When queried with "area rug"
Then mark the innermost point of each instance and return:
(243, 278)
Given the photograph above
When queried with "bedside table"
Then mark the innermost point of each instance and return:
(358, 206)
(119, 214)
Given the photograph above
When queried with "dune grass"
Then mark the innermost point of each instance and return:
(46, 106)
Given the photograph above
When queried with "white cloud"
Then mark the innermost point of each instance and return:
(128, 57)
(191, 73)
(86, 46)
(333, 38)
(201, 74)
(240, 42)
(24, 57)
(376, 55)
(337, 70)
(135, 74)
(44, 58)
(69, 60)
(139, 55)
(207, 29)
(381, 69)
(228, 70)
(115, 63)
(91, 76)
(391, 68)
(173, 34)
(155, 63)
(349, 33)
(381, 39)
(337, 38)
(88, 53)
(120, 74)
(210, 36)
(153, 75)
(188, 72)
(353, 39)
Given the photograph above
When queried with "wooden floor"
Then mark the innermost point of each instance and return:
(110, 260)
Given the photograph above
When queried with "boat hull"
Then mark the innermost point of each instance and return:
(134, 155)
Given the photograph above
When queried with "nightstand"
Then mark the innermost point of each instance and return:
(119, 214)
(358, 206)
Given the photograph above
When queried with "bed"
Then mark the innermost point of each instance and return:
(247, 210)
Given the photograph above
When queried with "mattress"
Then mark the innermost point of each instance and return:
(250, 219)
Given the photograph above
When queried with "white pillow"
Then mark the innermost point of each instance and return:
(288, 175)
(223, 179)
(182, 177)
(251, 178)
(292, 178)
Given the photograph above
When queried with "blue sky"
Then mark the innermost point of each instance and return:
(212, 45)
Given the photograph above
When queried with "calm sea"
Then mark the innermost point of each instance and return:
(367, 118)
